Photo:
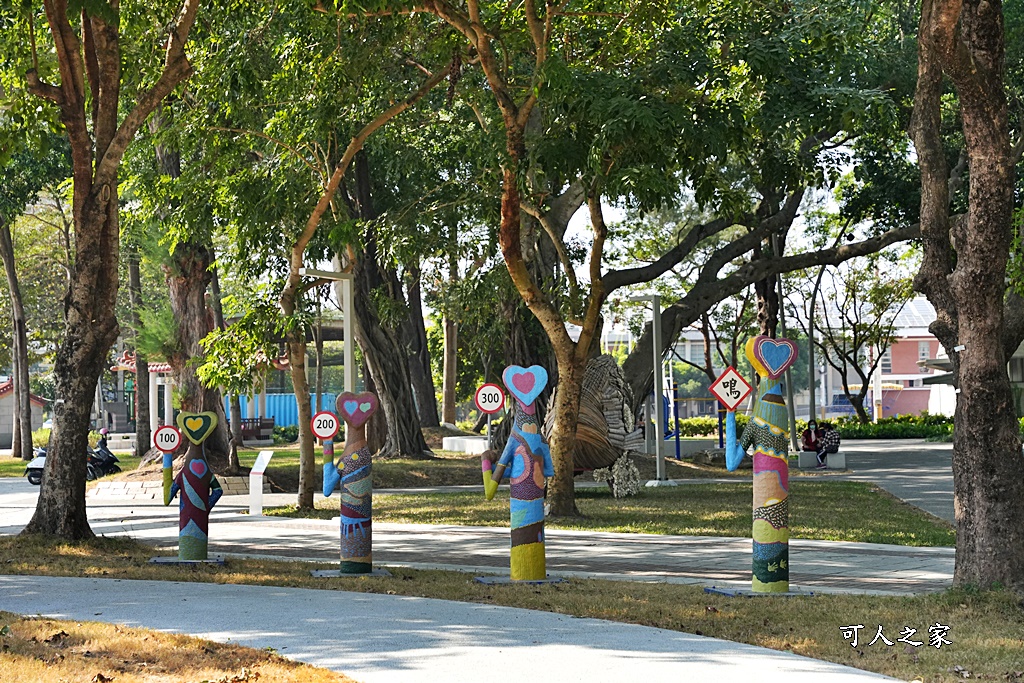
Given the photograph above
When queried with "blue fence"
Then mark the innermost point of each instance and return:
(282, 407)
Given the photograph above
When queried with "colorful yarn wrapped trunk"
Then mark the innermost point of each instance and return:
(767, 431)
(199, 489)
(528, 460)
(354, 474)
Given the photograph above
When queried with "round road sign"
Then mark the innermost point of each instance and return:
(489, 398)
(325, 425)
(167, 439)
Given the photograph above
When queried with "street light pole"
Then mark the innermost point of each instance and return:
(659, 390)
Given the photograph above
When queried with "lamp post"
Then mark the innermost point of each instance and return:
(659, 389)
(346, 311)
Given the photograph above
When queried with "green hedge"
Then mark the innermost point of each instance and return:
(284, 435)
(902, 427)
(41, 438)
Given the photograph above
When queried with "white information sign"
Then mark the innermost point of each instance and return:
(256, 482)
(167, 439)
(489, 399)
(262, 460)
(325, 425)
(730, 388)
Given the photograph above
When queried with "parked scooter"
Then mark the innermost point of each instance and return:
(34, 470)
(101, 461)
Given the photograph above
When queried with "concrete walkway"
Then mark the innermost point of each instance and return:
(396, 639)
(432, 640)
(919, 472)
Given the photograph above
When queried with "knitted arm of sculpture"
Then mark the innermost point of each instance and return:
(172, 491)
(215, 491)
(493, 475)
(734, 451)
(332, 477)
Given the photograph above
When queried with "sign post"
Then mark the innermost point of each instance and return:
(489, 399)
(167, 439)
(325, 426)
(731, 389)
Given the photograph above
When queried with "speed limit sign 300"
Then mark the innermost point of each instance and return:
(489, 399)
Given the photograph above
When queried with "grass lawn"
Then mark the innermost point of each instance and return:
(986, 629)
(12, 467)
(38, 649)
(446, 469)
(828, 510)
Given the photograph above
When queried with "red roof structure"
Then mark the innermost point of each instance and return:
(8, 387)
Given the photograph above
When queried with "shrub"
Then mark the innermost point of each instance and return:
(283, 435)
(41, 438)
(705, 426)
(921, 426)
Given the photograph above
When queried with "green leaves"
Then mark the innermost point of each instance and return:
(93, 8)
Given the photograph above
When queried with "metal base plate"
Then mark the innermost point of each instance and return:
(660, 482)
(172, 560)
(506, 581)
(337, 574)
(747, 593)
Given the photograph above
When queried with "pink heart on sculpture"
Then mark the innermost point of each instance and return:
(356, 409)
(198, 467)
(524, 383)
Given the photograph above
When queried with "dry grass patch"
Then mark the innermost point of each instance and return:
(986, 630)
(37, 649)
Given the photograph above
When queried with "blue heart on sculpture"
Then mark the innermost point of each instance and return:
(525, 383)
(775, 354)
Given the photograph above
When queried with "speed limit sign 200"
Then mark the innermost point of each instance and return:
(325, 425)
(489, 398)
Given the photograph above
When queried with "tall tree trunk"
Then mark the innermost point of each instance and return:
(143, 438)
(96, 152)
(188, 276)
(234, 440)
(90, 330)
(380, 341)
(307, 456)
(451, 349)
(235, 405)
(966, 41)
(22, 446)
(419, 354)
(187, 280)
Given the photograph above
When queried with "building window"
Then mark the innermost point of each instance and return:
(887, 361)
(924, 352)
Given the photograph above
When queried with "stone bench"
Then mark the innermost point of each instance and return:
(809, 460)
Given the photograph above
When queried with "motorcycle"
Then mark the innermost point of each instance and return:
(101, 462)
(34, 470)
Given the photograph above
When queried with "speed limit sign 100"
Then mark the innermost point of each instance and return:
(325, 425)
(489, 398)
(167, 439)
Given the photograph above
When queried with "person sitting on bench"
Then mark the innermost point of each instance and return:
(829, 443)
